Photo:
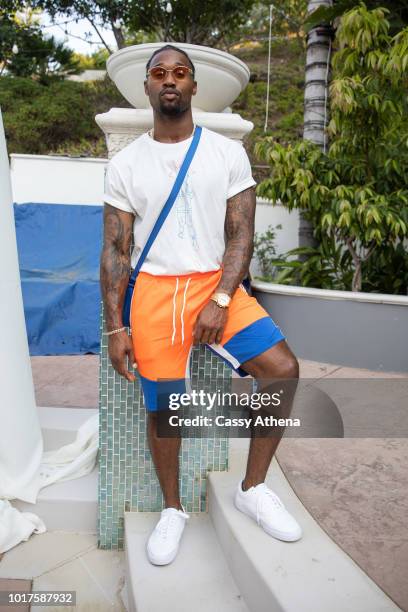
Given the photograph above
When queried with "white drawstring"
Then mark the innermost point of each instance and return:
(182, 311)
(174, 311)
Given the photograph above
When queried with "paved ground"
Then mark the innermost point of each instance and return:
(66, 380)
(57, 561)
(357, 489)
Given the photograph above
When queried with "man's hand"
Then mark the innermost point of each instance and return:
(119, 347)
(210, 324)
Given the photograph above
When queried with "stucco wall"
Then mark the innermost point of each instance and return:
(64, 180)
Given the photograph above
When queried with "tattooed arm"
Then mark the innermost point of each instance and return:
(114, 275)
(239, 229)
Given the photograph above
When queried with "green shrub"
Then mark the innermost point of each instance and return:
(326, 267)
(40, 119)
(355, 195)
(291, 121)
(265, 251)
(59, 118)
(388, 271)
(285, 95)
(330, 266)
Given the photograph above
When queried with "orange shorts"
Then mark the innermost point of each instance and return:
(163, 313)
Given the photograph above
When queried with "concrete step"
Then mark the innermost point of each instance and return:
(70, 505)
(311, 575)
(197, 581)
(60, 425)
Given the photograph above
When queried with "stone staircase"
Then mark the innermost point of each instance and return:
(310, 575)
(226, 563)
(198, 580)
(71, 505)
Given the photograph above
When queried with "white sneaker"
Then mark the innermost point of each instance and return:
(164, 542)
(263, 505)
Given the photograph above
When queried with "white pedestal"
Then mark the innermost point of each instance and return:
(122, 125)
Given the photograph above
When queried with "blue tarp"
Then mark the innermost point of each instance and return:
(59, 248)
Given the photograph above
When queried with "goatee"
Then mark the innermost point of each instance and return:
(172, 110)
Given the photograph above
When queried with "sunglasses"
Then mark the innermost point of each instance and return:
(158, 73)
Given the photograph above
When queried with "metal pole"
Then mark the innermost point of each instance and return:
(269, 68)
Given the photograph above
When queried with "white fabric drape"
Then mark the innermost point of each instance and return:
(24, 467)
(73, 460)
(66, 463)
(20, 434)
(16, 526)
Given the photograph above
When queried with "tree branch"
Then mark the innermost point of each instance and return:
(118, 34)
(354, 254)
(370, 250)
(90, 42)
(99, 34)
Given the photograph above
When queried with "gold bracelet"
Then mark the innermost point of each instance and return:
(115, 331)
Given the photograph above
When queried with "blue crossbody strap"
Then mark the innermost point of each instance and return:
(170, 201)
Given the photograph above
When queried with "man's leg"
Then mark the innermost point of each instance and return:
(252, 496)
(252, 342)
(159, 323)
(165, 453)
(277, 362)
(164, 541)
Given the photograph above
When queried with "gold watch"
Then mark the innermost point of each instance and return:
(221, 299)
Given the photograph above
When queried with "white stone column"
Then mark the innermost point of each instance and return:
(21, 444)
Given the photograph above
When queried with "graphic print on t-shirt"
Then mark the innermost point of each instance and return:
(140, 177)
(184, 208)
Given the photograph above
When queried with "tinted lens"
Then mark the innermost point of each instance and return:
(157, 73)
(181, 72)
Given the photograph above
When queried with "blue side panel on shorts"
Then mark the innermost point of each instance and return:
(253, 340)
(156, 393)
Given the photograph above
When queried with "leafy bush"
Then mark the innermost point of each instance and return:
(85, 138)
(330, 266)
(265, 251)
(285, 96)
(326, 267)
(356, 195)
(39, 118)
(95, 61)
(388, 271)
(38, 55)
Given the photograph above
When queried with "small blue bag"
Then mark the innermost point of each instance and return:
(159, 222)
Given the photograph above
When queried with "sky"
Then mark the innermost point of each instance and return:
(76, 30)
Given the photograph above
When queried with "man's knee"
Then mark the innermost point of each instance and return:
(287, 367)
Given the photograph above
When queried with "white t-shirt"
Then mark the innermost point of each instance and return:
(139, 179)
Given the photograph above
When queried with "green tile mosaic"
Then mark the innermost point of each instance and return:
(127, 478)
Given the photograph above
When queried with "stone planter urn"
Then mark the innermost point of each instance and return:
(220, 77)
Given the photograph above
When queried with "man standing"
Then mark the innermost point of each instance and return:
(189, 288)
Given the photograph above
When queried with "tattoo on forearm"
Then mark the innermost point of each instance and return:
(239, 229)
(115, 263)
